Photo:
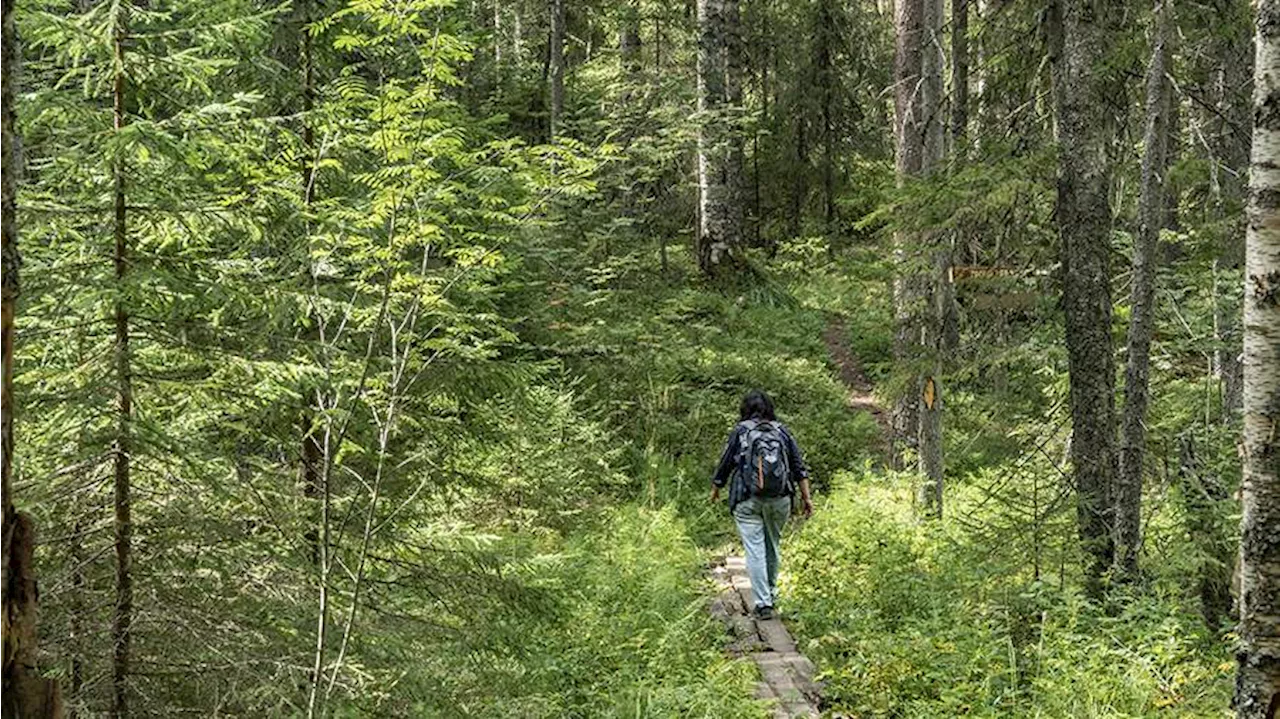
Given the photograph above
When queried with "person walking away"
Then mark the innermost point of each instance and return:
(762, 466)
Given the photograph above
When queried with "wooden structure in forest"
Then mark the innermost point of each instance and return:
(786, 675)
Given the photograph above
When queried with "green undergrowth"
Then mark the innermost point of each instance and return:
(909, 619)
(597, 500)
(669, 358)
(626, 633)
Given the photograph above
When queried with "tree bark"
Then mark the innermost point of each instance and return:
(517, 36)
(1229, 149)
(826, 77)
(629, 48)
(933, 314)
(908, 130)
(959, 73)
(1084, 227)
(122, 621)
(1258, 656)
(716, 191)
(800, 180)
(982, 70)
(556, 66)
(311, 452)
(735, 177)
(1151, 214)
(497, 40)
(26, 694)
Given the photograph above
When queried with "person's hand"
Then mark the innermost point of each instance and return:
(808, 508)
(715, 494)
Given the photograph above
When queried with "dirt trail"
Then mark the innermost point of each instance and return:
(786, 675)
(861, 392)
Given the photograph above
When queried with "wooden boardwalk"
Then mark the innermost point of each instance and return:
(786, 675)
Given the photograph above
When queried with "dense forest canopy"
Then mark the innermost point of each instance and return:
(371, 357)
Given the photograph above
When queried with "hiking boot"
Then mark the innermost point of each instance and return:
(765, 613)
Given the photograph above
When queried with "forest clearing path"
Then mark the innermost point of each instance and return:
(786, 675)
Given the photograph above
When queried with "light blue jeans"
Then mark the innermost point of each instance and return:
(760, 521)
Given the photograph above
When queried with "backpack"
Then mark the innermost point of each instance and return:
(764, 459)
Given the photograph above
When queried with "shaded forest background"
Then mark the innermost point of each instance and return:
(371, 358)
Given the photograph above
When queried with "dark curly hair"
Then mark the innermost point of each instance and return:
(756, 405)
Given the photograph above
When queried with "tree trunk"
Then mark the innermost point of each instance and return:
(311, 453)
(800, 182)
(826, 77)
(556, 66)
(1202, 495)
(1229, 146)
(122, 623)
(909, 133)
(1258, 655)
(715, 191)
(759, 68)
(933, 313)
(1151, 214)
(932, 67)
(497, 41)
(959, 73)
(630, 50)
(982, 102)
(1084, 226)
(735, 170)
(25, 693)
(517, 36)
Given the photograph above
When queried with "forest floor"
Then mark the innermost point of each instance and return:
(787, 677)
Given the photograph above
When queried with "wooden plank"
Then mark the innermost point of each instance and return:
(776, 635)
(786, 674)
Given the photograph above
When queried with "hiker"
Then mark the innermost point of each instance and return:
(763, 462)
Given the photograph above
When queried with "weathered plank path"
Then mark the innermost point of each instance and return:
(786, 675)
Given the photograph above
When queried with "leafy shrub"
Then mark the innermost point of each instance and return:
(914, 620)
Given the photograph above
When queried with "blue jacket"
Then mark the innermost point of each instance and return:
(731, 461)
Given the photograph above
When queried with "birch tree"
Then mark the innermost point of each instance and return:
(1258, 671)
(717, 228)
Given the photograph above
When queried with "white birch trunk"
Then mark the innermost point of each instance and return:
(1258, 673)
(714, 240)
